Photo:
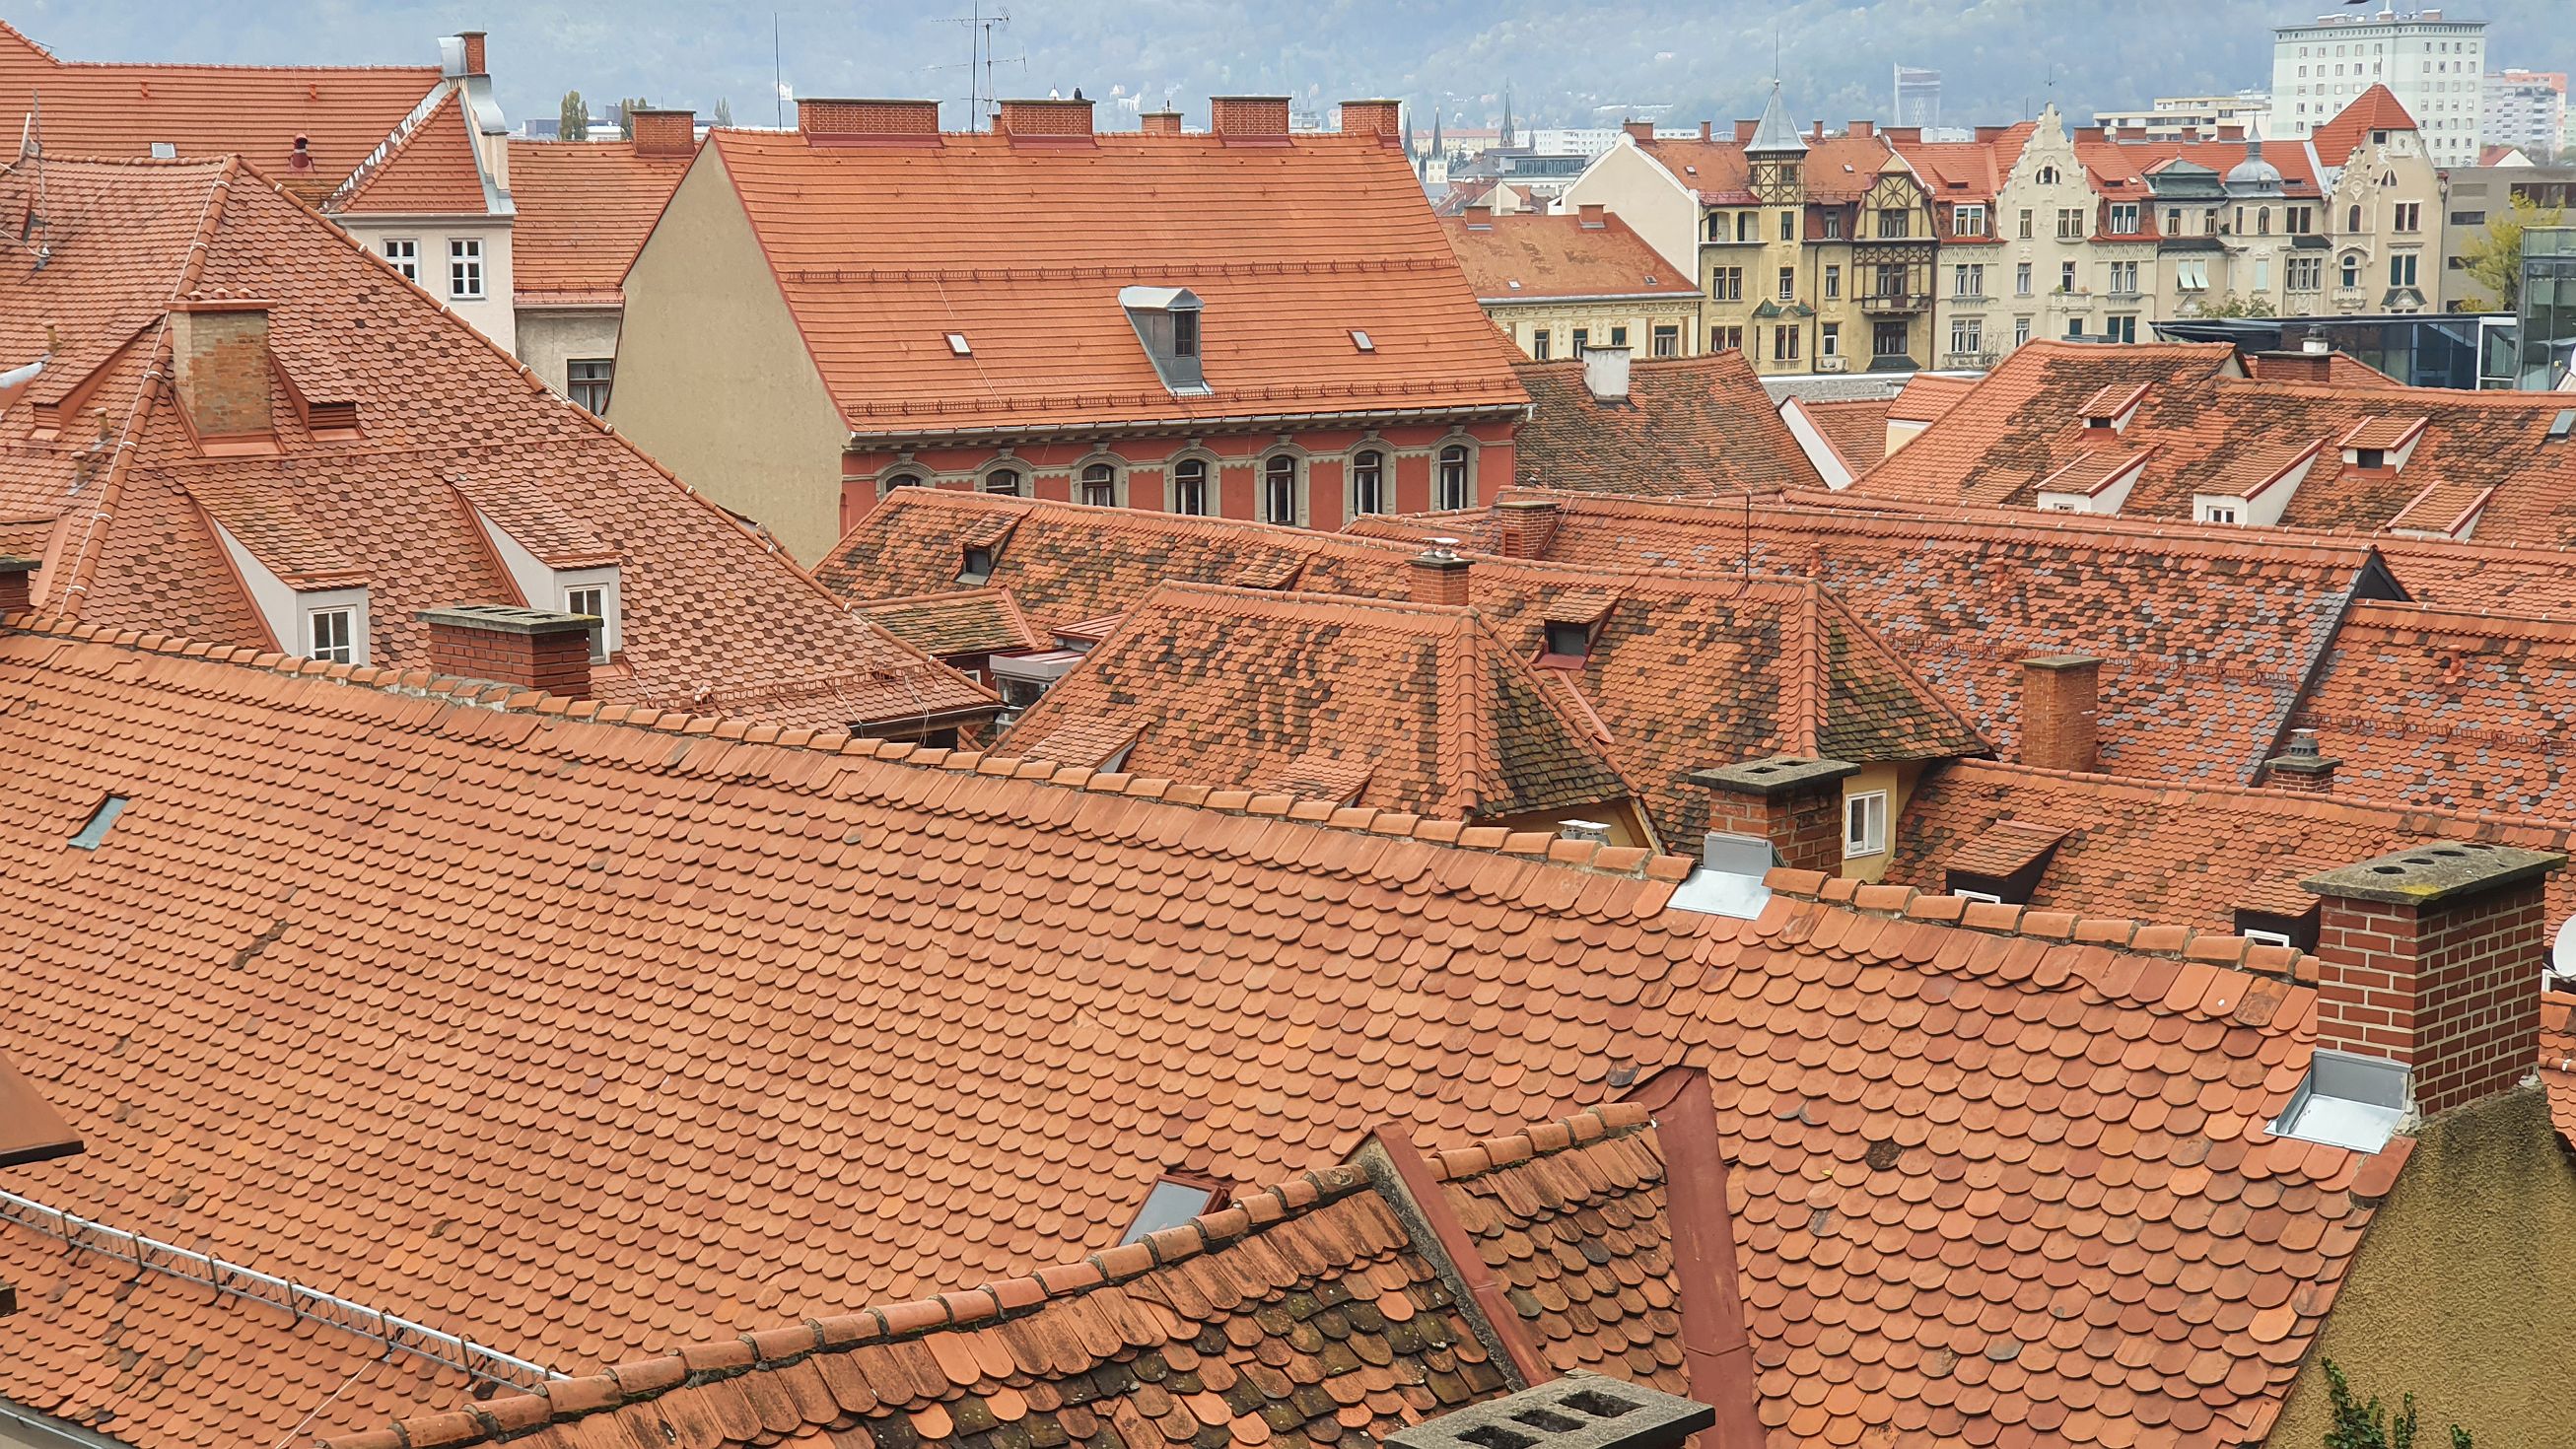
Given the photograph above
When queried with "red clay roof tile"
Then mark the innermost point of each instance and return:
(1689, 426)
(1525, 256)
(429, 170)
(584, 210)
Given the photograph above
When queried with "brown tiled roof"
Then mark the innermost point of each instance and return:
(1230, 686)
(1524, 257)
(2206, 634)
(584, 210)
(1857, 428)
(1685, 673)
(430, 170)
(1291, 248)
(959, 621)
(713, 618)
(1690, 426)
(1838, 169)
(2558, 1061)
(2450, 708)
(2009, 846)
(1304, 1313)
(2024, 422)
(96, 108)
(2183, 854)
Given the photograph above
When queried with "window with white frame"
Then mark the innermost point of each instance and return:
(2217, 511)
(1457, 488)
(1004, 481)
(899, 480)
(1190, 487)
(1968, 279)
(586, 381)
(1967, 335)
(1279, 489)
(2124, 218)
(2124, 279)
(1968, 221)
(404, 254)
(1368, 482)
(1865, 823)
(331, 635)
(2021, 330)
(2021, 280)
(1100, 485)
(591, 600)
(465, 269)
(1667, 341)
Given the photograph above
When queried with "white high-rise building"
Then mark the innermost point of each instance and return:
(2527, 109)
(2436, 68)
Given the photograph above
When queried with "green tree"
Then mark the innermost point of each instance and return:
(724, 111)
(2494, 259)
(626, 110)
(2235, 306)
(2368, 1426)
(572, 118)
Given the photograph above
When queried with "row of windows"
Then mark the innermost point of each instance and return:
(1886, 340)
(1187, 489)
(1667, 341)
(464, 265)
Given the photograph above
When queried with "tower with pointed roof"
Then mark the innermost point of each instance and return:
(1505, 140)
(1776, 155)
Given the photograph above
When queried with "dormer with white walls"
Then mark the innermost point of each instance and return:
(556, 573)
(2097, 481)
(2255, 492)
(2381, 445)
(317, 612)
(2108, 411)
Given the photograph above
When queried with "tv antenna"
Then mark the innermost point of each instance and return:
(981, 97)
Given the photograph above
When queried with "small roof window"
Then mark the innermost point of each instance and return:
(1174, 1201)
(1362, 341)
(1567, 641)
(976, 567)
(165, 151)
(2560, 425)
(95, 829)
(957, 345)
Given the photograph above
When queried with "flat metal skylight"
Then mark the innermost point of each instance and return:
(1172, 1203)
(1361, 339)
(2560, 425)
(96, 827)
(957, 345)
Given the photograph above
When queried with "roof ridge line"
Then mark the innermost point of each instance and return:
(642, 1380)
(413, 125)
(1597, 1123)
(1626, 862)
(2280, 966)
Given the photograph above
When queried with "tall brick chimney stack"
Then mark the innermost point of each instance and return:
(2431, 958)
(2060, 711)
(1793, 802)
(219, 355)
(530, 648)
(474, 57)
(660, 132)
(1438, 575)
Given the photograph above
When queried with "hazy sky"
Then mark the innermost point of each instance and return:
(1565, 59)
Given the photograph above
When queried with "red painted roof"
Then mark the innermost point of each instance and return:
(447, 426)
(96, 108)
(881, 251)
(2376, 109)
(1689, 426)
(585, 209)
(431, 170)
(1525, 257)
(1857, 428)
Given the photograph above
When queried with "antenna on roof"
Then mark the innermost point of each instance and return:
(777, 74)
(981, 97)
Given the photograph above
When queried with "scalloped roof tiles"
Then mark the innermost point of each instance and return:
(1690, 426)
(1529, 257)
(713, 618)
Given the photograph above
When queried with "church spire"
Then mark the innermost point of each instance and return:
(1506, 139)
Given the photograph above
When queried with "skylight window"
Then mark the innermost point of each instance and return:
(1173, 1202)
(2560, 425)
(957, 346)
(165, 151)
(96, 827)
(1361, 340)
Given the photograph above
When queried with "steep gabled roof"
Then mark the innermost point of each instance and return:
(958, 621)
(1237, 687)
(1689, 426)
(584, 210)
(1527, 257)
(430, 169)
(121, 109)
(880, 252)
(447, 428)
(2376, 109)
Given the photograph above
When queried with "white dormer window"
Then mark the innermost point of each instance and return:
(331, 635)
(594, 592)
(2213, 510)
(576, 588)
(1166, 320)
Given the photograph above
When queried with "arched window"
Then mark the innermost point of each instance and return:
(1004, 481)
(1190, 487)
(899, 480)
(1455, 487)
(1279, 490)
(2352, 219)
(2263, 221)
(1368, 482)
(1100, 485)
(2352, 269)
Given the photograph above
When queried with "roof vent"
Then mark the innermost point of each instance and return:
(1593, 830)
(164, 151)
(94, 830)
(2315, 343)
(1577, 1411)
(1166, 320)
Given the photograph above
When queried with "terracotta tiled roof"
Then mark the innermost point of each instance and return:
(1966, 170)
(2451, 708)
(1926, 396)
(431, 170)
(960, 621)
(448, 426)
(2206, 635)
(584, 210)
(1302, 1314)
(2376, 109)
(2184, 854)
(30, 1130)
(1684, 673)
(101, 109)
(2558, 1061)
(1715, 171)
(1524, 257)
(2525, 581)
(1689, 426)
(2342, 370)
(1857, 428)
(1291, 248)
(1228, 686)
(2108, 160)
(639, 1029)
(2024, 422)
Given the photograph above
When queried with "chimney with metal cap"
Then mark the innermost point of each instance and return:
(2301, 767)
(1793, 802)
(1438, 575)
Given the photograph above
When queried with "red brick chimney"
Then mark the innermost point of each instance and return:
(1525, 526)
(1594, 216)
(18, 584)
(2301, 767)
(1052, 120)
(474, 56)
(829, 122)
(660, 132)
(1249, 120)
(2431, 958)
(1162, 123)
(530, 648)
(1438, 575)
(2060, 707)
(1743, 131)
(219, 358)
(1638, 130)
(1861, 128)
(1793, 802)
(2312, 362)
(1382, 119)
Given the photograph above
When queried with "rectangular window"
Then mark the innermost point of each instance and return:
(1668, 341)
(2173, 221)
(331, 635)
(2401, 270)
(1784, 343)
(1618, 336)
(1185, 333)
(2124, 218)
(2306, 274)
(1893, 223)
(1788, 226)
(2021, 330)
(465, 270)
(1567, 641)
(2410, 215)
(587, 380)
(1538, 344)
(2468, 218)
(2021, 280)
(1788, 283)
(1887, 339)
(2070, 223)
(1582, 340)
(405, 256)
(2303, 220)
(1726, 284)
(2124, 278)
(592, 600)
(2213, 512)
(1968, 279)
(1829, 340)
(1722, 339)
(1833, 226)
(2066, 276)
(1968, 221)
(1833, 283)
(2025, 224)
(2121, 329)
(1864, 824)
(1967, 336)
